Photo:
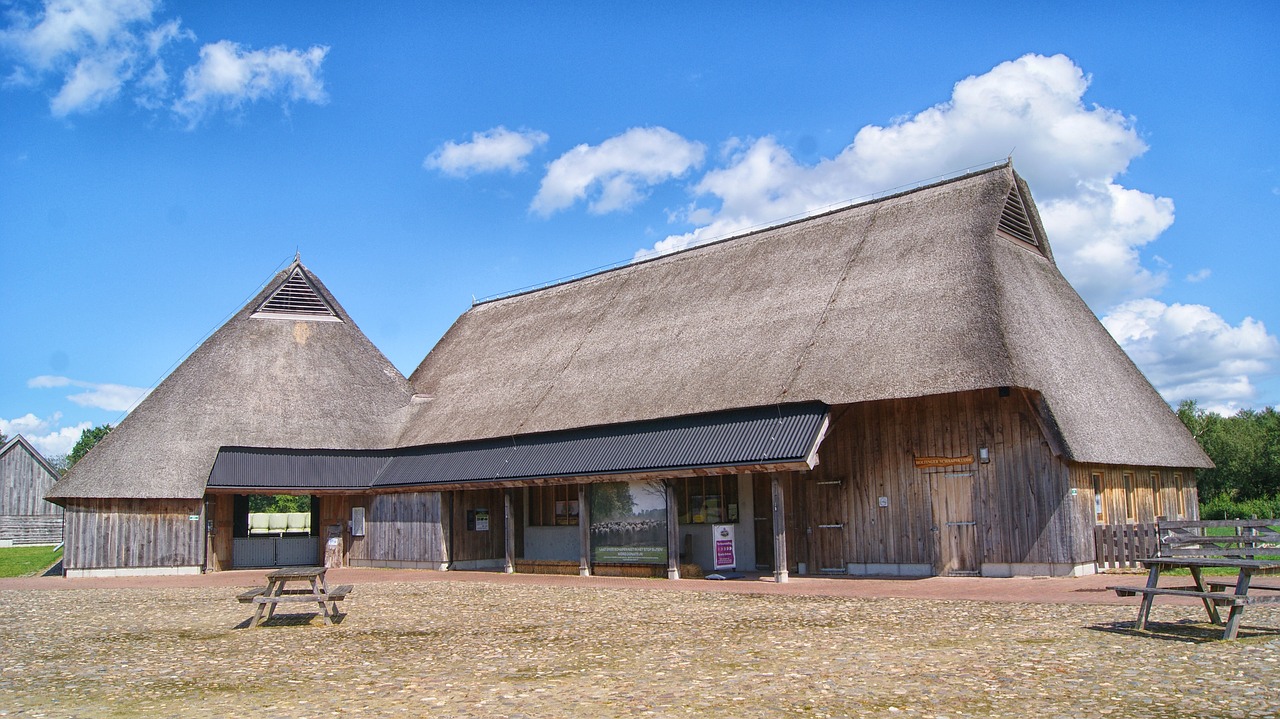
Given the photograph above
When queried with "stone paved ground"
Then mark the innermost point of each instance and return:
(482, 649)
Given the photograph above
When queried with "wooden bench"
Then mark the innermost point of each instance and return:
(1182, 546)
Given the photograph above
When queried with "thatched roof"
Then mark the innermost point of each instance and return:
(911, 295)
(300, 375)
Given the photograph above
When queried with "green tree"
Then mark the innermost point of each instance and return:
(279, 503)
(88, 439)
(59, 463)
(610, 501)
(1245, 449)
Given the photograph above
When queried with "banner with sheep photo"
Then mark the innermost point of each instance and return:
(629, 523)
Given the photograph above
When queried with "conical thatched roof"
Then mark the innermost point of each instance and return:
(289, 370)
(947, 288)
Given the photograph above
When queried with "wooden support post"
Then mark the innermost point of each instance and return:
(780, 574)
(509, 529)
(584, 533)
(673, 533)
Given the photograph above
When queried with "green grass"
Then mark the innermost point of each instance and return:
(24, 561)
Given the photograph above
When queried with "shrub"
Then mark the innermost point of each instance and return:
(1223, 507)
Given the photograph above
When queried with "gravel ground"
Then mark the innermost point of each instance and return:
(476, 649)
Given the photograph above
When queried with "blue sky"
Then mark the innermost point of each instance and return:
(159, 162)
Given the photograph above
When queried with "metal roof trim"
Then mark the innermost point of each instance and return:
(774, 435)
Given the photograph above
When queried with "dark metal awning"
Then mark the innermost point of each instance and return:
(773, 438)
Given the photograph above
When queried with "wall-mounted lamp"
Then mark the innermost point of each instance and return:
(984, 455)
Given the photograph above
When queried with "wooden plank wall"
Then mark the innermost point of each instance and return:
(23, 484)
(466, 545)
(133, 533)
(406, 527)
(221, 509)
(1138, 495)
(1022, 500)
(31, 528)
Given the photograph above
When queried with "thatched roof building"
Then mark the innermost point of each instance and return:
(947, 288)
(905, 386)
(290, 369)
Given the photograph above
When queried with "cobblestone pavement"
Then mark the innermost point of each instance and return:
(451, 648)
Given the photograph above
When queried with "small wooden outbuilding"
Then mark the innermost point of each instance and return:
(907, 386)
(25, 477)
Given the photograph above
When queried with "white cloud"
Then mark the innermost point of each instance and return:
(1096, 234)
(44, 434)
(99, 50)
(93, 82)
(110, 397)
(1189, 352)
(71, 29)
(1069, 152)
(92, 44)
(617, 171)
(488, 151)
(1200, 275)
(228, 75)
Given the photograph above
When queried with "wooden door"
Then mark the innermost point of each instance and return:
(826, 516)
(762, 503)
(955, 525)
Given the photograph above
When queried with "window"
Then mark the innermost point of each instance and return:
(1182, 499)
(1157, 492)
(555, 506)
(1097, 497)
(1130, 497)
(708, 500)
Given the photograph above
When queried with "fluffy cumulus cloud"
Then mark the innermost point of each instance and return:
(1033, 107)
(493, 150)
(45, 434)
(616, 173)
(95, 51)
(228, 76)
(110, 397)
(1071, 152)
(1189, 352)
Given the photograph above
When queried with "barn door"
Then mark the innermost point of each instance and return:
(826, 527)
(955, 525)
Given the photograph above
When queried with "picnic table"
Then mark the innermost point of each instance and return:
(1250, 549)
(265, 599)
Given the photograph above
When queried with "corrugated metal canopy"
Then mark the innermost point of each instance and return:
(773, 435)
(252, 468)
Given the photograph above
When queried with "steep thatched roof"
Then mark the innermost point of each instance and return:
(299, 374)
(911, 295)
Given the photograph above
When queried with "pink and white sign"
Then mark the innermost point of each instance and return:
(723, 537)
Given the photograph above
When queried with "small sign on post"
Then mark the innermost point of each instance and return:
(724, 554)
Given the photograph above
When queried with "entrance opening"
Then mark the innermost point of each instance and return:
(275, 531)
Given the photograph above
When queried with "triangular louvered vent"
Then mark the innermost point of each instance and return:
(1014, 220)
(296, 299)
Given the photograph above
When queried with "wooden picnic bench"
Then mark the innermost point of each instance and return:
(1182, 546)
(267, 598)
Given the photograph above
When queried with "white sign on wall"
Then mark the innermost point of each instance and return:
(722, 536)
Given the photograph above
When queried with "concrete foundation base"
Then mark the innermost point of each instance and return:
(131, 572)
(1034, 569)
(396, 564)
(874, 569)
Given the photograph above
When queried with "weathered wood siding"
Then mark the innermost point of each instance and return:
(25, 518)
(134, 534)
(221, 509)
(404, 527)
(470, 545)
(1138, 495)
(1021, 499)
(31, 528)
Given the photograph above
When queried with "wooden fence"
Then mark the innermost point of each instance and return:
(1121, 546)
